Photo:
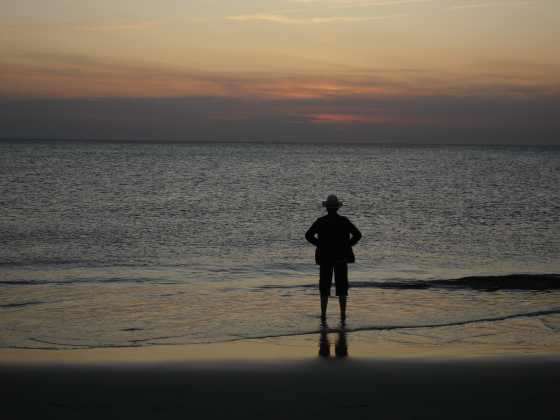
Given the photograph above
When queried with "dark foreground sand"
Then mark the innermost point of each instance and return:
(282, 379)
(313, 388)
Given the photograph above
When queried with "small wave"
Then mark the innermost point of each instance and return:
(58, 344)
(35, 263)
(482, 283)
(457, 323)
(85, 280)
(21, 304)
(512, 281)
(77, 262)
(153, 341)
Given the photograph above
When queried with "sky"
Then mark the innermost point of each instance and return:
(425, 71)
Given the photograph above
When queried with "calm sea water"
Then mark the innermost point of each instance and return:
(140, 244)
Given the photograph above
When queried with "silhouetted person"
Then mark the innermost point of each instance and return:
(334, 236)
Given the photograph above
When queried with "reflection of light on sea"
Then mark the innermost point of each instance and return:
(145, 256)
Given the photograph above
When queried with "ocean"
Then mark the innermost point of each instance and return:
(140, 244)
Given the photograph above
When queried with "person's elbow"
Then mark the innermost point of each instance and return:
(356, 236)
(309, 236)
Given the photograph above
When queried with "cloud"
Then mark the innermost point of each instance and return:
(123, 26)
(55, 74)
(291, 17)
(472, 5)
(350, 4)
(118, 27)
(360, 3)
(413, 119)
(326, 118)
(288, 20)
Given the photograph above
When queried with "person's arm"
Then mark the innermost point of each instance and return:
(356, 234)
(311, 233)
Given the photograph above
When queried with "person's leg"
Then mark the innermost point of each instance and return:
(325, 282)
(341, 279)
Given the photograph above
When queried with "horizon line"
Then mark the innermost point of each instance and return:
(272, 142)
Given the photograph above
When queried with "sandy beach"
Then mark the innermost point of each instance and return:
(278, 379)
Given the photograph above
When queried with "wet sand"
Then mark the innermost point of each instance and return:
(277, 380)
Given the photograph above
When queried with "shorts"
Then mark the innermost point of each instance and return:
(340, 278)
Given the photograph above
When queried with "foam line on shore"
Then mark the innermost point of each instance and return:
(418, 326)
(16, 305)
(482, 283)
(153, 341)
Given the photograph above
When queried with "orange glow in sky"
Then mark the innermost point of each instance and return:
(315, 56)
(348, 119)
(277, 48)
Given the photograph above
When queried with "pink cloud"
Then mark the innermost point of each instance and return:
(325, 118)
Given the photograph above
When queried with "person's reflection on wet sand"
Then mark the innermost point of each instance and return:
(340, 346)
(324, 345)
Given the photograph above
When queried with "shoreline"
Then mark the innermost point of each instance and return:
(282, 378)
(351, 346)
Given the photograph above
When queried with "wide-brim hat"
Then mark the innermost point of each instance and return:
(332, 202)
